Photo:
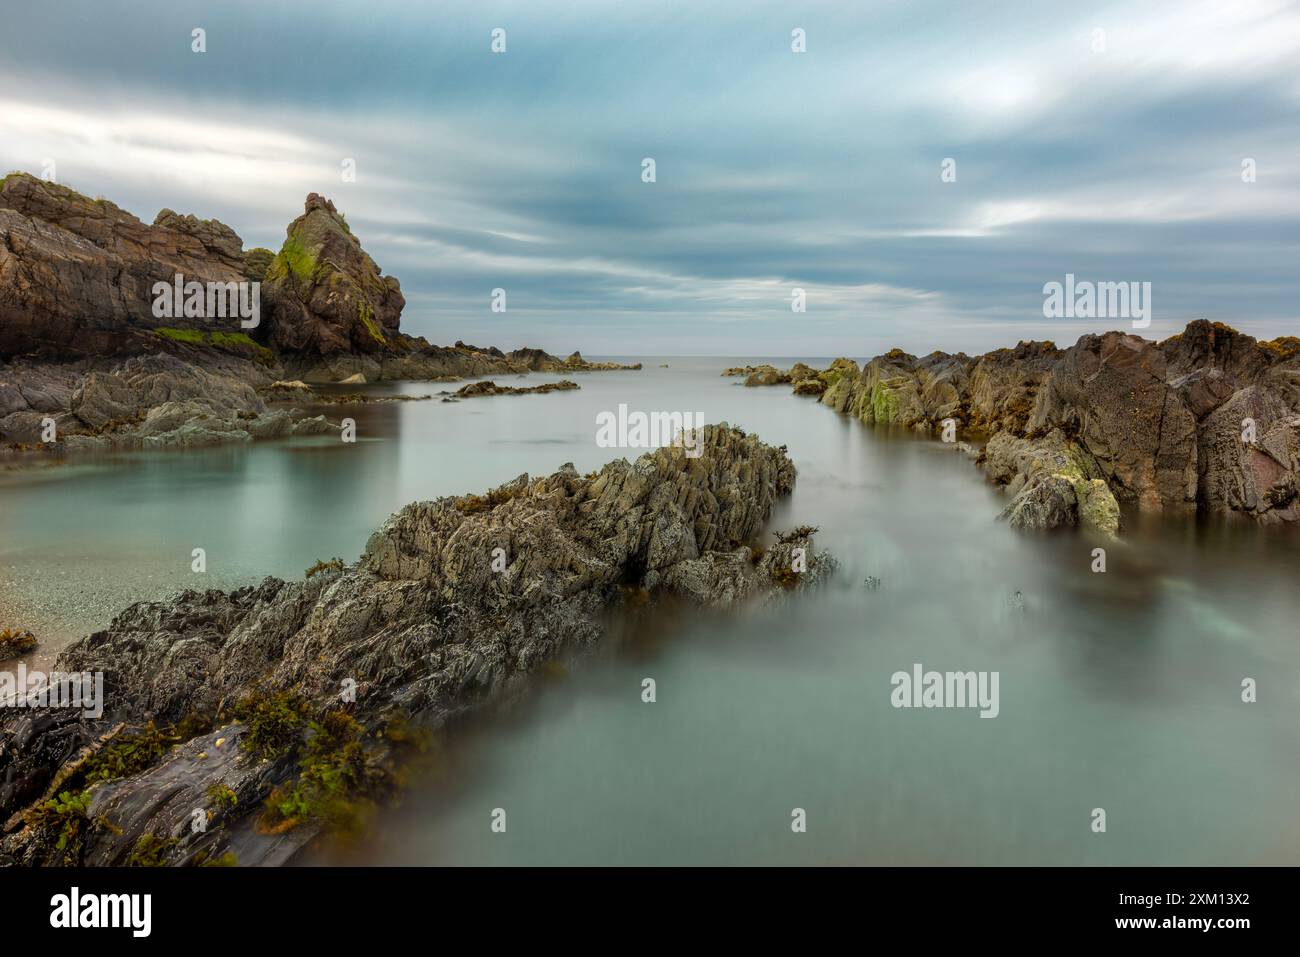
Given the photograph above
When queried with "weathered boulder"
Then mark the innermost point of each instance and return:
(1052, 482)
(1113, 391)
(767, 375)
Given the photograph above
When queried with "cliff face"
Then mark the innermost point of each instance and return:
(77, 281)
(76, 274)
(1208, 419)
(77, 278)
(273, 706)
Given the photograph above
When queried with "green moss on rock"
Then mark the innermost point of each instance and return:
(275, 722)
(238, 342)
(293, 259)
(367, 316)
(150, 850)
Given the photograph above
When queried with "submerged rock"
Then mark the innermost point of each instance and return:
(488, 387)
(15, 642)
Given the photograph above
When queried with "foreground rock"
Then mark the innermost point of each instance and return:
(1207, 420)
(273, 712)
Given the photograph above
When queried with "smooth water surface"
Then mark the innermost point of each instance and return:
(1119, 690)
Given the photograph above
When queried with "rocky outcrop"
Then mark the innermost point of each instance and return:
(1207, 420)
(326, 295)
(535, 360)
(1052, 483)
(77, 274)
(488, 387)
(806, 380)
(77, 325)
(153, 401)
(271, 707)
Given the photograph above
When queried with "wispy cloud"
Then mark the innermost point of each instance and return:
(775, 170)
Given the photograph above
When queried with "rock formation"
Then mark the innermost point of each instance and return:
(274, 709)
(1208, 419)
(81, 346)
(488, 387)
(326, 296)
(535, 360)
(76, 274)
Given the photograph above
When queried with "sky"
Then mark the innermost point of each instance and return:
(1101, 140)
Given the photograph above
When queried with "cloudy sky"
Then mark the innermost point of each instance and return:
(1114, 155)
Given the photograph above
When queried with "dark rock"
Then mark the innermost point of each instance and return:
(424, 625)
(76, 274)
(325, 295)
(1113, 419)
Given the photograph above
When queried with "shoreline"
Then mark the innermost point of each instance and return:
(1206, 421)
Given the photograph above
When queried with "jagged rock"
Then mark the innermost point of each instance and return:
(1113, 391)
(423, 624)
(1003, 385)
(767, 375)
(536, 360)
(272, 425)
(809, 387)
(488, 387)
(196, 435)
(316, 425)
(77, 277)
(76, 274)
(257, 262)
(325, 294)
(143, 383)
(1124, 420)
(1256, 476)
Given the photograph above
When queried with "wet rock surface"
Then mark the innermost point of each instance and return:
(453, 604)
(488, 387)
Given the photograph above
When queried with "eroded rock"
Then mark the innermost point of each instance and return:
(1114, 419)
(453, 602)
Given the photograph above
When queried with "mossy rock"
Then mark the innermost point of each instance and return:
(239, 343)
(15, 642)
